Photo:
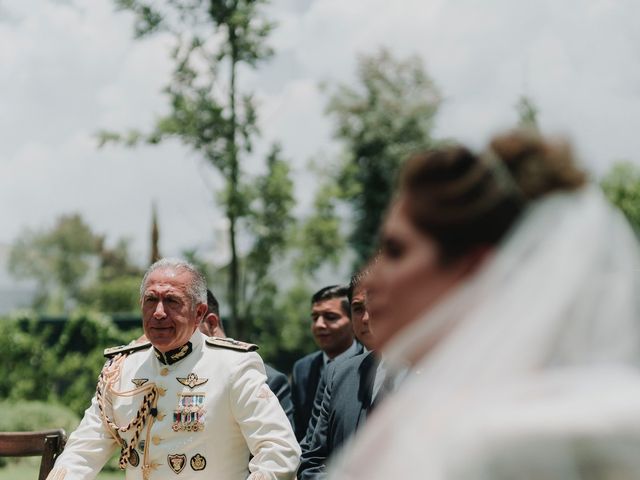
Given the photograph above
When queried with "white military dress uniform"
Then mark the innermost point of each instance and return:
(207, 412)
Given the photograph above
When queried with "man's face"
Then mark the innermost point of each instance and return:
(360, 316)
(331, 326)
(168, 318)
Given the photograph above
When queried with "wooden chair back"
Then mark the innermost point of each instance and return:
(47, 444)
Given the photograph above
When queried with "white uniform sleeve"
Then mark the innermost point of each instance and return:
(264, 425)
(88, 449)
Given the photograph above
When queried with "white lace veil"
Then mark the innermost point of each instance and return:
(537, 376)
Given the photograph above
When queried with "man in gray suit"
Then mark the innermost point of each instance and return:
(345, 395)
(333, 333)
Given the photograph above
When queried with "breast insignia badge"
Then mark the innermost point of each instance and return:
(138, 382)
(177, 461)
(192, 381)
(198, 462)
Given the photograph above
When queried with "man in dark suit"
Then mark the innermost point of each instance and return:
(277, 381)
(333, 333)
(345, 394)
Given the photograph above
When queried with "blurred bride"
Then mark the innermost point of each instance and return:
(510, 288)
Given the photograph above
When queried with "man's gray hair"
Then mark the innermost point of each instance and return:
(196, 288)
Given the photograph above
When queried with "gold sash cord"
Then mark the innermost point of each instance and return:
(105, 390)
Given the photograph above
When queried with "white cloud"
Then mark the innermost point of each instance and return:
(72, 68)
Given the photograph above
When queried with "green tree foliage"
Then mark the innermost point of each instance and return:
(276, 303)
(73, 266)
(270, 222)
(116, 289)
(282, 326)
(214, 40)
(58, 259)
(385, 117)
(320, 239)
(622, 186)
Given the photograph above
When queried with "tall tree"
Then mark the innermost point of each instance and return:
(58, 259)
(73, 266)
(213, 40)
(386, 116)
(155, 236)
(270, 222)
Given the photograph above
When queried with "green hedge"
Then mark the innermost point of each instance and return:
(63, 370)
(24, 416)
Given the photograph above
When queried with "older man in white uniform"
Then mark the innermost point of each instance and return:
(181, 405)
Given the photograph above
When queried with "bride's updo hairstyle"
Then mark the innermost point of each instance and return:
(464, 200)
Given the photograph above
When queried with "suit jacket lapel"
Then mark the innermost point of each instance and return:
(314, 377)
(367, 376)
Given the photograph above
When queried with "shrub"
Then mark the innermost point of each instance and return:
(25, 415)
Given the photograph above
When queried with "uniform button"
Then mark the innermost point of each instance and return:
(164, 372)
(160, 416)
(161, 391)
(156, 440)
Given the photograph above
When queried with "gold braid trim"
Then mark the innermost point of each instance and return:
(110, 374)
(148, 402)
(109, 377)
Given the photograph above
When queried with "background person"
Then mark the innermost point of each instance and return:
(181, 404)
(345, 394)
(511, 287)
(333, 333)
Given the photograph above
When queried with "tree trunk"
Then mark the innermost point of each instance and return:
(237, 325)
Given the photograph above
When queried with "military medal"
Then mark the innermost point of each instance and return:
(134, 458)
(189, 416)
(198, 462)
(177, 462)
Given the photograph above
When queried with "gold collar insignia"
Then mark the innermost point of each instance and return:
(173, 356)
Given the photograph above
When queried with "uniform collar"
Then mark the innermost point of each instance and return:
(177, 354)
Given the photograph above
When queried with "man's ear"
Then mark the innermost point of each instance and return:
(212, 322)
(201, 310)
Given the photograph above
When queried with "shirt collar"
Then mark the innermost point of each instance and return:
(349, 352)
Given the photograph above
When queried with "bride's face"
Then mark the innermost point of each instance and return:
(408, 277)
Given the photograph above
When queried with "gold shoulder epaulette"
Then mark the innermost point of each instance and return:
(226, 342)
(132, 347)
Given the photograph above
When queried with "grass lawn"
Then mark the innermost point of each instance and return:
(28, 470)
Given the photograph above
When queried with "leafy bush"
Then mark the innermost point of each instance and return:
(25, 415)
(39, 366)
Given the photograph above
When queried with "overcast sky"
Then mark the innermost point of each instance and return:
(70, 68)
